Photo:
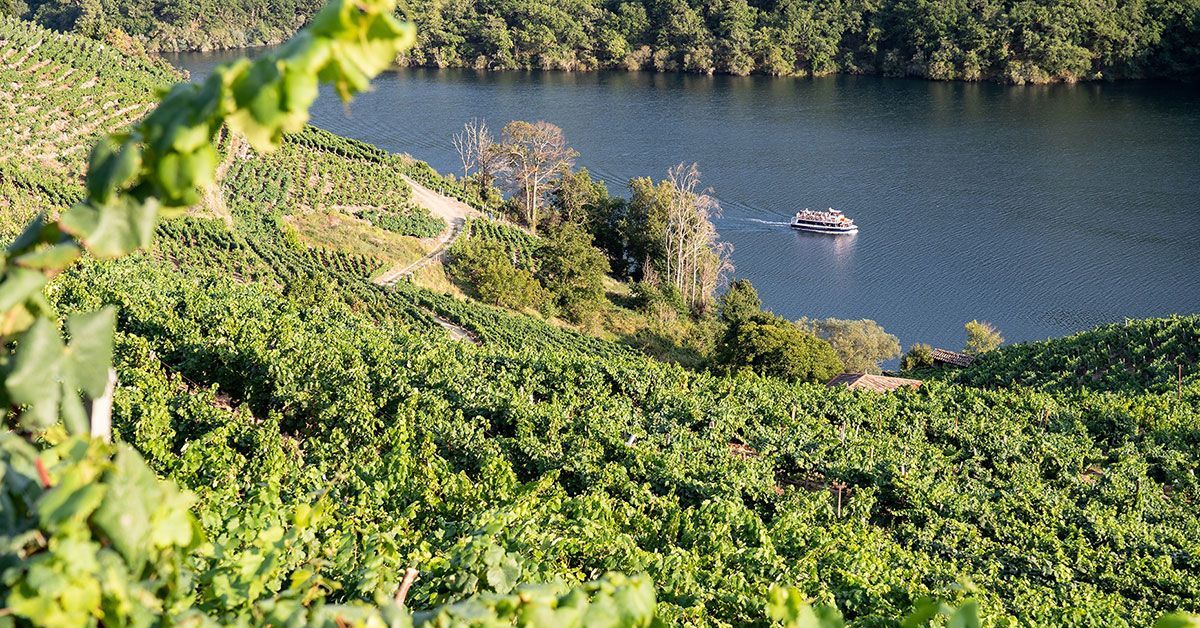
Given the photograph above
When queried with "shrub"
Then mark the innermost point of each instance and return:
(486, 267)
(740, 302)
(772, 346)
(573, 271)
(981, 338)
(919, 356)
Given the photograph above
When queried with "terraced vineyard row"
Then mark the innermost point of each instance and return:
(520, 246)
(1136, 355)
(58, 93)
(419, 171)
(500, 328)
(307, 174)
(341, 262)
(48, 188)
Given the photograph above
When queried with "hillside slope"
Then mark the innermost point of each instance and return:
(334, 422)
(1134, 356)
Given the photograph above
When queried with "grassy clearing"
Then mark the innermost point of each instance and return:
(342, 232)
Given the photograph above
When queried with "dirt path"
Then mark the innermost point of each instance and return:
(456, 332)
(453, 211)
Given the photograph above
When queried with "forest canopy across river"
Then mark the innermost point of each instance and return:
(1012, 41)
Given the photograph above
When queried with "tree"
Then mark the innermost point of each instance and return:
(694, 259)
(573, 271)
(735, 26)
(535, 152)
(479, 152)
(919, 356)
(576, 195)
(861, 344)
(486, 267)
(579, 199)
(772, 346)
(644, 230)
(740, 302)
(981, 338)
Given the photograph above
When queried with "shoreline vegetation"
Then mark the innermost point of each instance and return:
(1007, 41)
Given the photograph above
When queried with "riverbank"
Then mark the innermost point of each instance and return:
(1006, 41)
(1041, 209)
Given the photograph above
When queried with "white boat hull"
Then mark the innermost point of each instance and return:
(824, 228)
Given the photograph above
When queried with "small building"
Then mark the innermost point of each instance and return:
(951, 358)
(877, 383)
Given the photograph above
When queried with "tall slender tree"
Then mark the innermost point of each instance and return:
(695, 257)
(478, 151)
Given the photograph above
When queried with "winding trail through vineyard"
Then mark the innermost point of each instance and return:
(455, 213)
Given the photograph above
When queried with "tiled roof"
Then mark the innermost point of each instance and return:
(951, 357)
(878, 383)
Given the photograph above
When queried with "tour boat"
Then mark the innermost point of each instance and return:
(829, 221)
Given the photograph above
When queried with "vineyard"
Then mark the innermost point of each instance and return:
(862, 500)
(60, 93)
(314, 174)
(313, 436)
(520, 246)
(1137, 355)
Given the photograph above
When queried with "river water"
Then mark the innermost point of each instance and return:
(1045, 210)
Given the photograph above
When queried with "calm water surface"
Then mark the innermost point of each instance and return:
(1044, 210)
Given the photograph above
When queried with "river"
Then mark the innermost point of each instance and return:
(1044, 210)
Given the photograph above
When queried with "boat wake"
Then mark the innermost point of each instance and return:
(773, 223)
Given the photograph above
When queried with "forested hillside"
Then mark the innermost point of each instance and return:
(326, 435)
(1016, 41)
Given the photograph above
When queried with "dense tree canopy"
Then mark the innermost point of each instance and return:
(1015, 41)
(573, 271)
(773, 346)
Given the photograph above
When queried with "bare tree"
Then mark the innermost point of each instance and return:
(479, 152)
(466, 142)
(535, 152)
(695, 258)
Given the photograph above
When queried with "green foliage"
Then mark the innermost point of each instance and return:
(1005, 40)
(573, 271)
(612, 601)
(1134, 356)
(919, 356)
(860, 344)
(645, 224)
(981, 338)
(772, 346)
(787, 606)
(416, 222)
(740, 302)
(327, 436)
(520, 247)
(486, 266)
(159, 166)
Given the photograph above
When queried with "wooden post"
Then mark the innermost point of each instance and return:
(410, 576)
(100, 414)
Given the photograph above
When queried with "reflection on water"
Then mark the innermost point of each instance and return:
(839, 248)
(1043, 209)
